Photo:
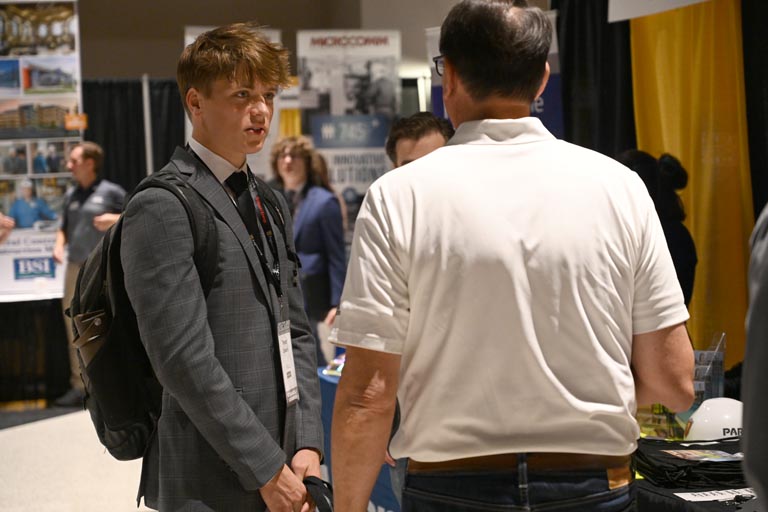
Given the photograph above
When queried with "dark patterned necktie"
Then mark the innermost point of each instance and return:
(238, 182)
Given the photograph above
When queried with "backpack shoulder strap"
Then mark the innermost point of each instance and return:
(201, 220)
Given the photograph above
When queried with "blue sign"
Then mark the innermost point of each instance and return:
(549, 106)
(31, 268)
(358, 131)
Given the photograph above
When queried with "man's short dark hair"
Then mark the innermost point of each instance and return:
(415, 127)
(497, 47)
(92, 151)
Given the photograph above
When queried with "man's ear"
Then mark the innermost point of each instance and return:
(449, 79)
(193, 100)
(544, 80)
(90, 163)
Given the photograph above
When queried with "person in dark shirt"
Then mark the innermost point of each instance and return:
(91, 206)
(663, 177)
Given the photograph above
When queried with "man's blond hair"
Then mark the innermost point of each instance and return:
(238, 52)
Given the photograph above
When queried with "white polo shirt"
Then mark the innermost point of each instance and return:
(510, 270)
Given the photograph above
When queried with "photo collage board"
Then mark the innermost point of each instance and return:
(40, 89)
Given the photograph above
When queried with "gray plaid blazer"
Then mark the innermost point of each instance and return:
(219, 436)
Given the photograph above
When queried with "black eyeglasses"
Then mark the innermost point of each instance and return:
(439, 64)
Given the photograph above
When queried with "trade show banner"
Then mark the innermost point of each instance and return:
(28, 269)
(548, 107)
(349, 94)
(257, 162)
(40, 121)
(620, 10)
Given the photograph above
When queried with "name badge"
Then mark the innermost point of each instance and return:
(286, 360)
(98, 200)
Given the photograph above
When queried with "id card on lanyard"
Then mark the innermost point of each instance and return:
(290, 383)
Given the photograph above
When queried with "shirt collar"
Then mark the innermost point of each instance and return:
(501, 131)
(90, 188)
(218, 165)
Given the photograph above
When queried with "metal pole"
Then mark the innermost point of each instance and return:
(147, 123)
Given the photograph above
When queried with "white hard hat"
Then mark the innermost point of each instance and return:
(714, 419)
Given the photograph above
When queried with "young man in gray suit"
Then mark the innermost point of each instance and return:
(240, 427)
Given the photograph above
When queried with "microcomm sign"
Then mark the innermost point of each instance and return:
(348, 41)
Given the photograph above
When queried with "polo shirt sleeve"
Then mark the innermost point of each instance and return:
(374, 307)
(658, 298)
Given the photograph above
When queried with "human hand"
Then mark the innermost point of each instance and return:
(330, 317)
(104, 221)
(388, 459)
(6, 225)
(285, 492)
(6, 222)
(306, 463)
(58, 254)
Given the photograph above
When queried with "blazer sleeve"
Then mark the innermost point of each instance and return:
(309, 426)
(332, 227)
(164, 288)
(754, 375)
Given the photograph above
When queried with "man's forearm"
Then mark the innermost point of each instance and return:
(359, 435)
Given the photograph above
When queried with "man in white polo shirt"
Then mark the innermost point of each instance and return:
(514, 291)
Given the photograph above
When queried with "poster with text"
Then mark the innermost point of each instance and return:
(40, 86)
(349, 93)
(27, 269)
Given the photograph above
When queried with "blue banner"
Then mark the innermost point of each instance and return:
(354, 131)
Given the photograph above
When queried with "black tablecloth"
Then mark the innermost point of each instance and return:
(657, 499)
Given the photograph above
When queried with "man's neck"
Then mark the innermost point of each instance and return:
(493, 107)
(236, 159)
(88, 182)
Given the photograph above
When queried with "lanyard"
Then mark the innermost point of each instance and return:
(269, 234)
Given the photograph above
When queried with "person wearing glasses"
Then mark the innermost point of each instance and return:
(513, 292)
(318, 229)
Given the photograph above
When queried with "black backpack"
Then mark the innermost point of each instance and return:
(123, 395)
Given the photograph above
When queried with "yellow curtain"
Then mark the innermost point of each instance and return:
(290, 122)
(689, 101)
(290, 118)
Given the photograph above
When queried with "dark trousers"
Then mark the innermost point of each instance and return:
(520, 489)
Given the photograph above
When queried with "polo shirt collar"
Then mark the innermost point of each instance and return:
(501, 131)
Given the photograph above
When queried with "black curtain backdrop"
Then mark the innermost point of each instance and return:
(116, 121)
(596, 65)
(33, 345)
(167, 120)
(34, 362)
(753, 16)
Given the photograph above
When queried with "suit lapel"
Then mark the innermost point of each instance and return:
(203, 180)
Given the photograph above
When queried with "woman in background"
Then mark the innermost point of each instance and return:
(663, 177)
(320, 166)
(317, 229)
